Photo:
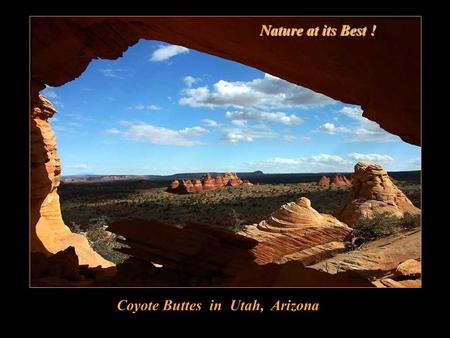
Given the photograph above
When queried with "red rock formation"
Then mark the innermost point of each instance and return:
(324, 181)
(376, 257)
(232, 180)
(340, 180)
(207, 183)
(218, 181)
(217, 257)
(48, 232)
(198, 187)
(373, 193)
(294, 228)
(174, 185)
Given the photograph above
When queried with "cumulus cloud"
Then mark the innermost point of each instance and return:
(318, 163)
(211, 123)
(269, 92)
(363, 129)
(113, 131)
(327, 160)
(76, 166)
(330, 128)
(264, 116)
(190, 80)
(371, 157)
(147, 133)
(239, 123)
(236, 135)
(111, 72)
(141, 106)
(166, 52)
(286, 161)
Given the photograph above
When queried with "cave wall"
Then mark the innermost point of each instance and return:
(380, 73)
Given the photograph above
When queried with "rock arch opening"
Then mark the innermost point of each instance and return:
(56, 63)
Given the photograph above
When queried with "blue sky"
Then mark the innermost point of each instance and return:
(165, 109)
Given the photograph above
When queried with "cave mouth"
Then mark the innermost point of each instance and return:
(127, 109)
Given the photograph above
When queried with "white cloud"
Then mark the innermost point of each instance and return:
(190, 80)
(166, 52)
(264, 116)
(235, 135)
(141, 106)
(211, 123)
(111, 72)
(365, 130)
(330, 128)
(264, 93)
(76, 166)
(286, 161)
(147, 133)
(239, 123)
(113, 131)
(371, 157)
(327, 159)
(319, 163)
(305, 138)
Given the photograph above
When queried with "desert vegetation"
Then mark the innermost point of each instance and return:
(89, 208)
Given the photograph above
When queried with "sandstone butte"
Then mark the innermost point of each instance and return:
(207, 183)
(389, 92)
(373, 193)
(338, 180)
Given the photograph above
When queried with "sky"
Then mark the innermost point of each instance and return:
(163, 109)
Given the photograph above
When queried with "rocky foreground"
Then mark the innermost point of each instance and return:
(294, 246)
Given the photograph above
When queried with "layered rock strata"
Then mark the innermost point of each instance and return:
(373, 193)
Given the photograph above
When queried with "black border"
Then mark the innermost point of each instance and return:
(351, 306)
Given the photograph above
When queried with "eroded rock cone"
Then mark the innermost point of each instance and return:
(297, 232)
(340, 180)
(324, 181)
(208, 182)
(296, 215)
(198, 187)
(373, 193)
(173, 186)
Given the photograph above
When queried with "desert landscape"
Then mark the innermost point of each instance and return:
(284, 218)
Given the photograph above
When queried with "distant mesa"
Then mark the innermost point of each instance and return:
(207, 183)
(338, 180)
(258, 172)
(373, 192)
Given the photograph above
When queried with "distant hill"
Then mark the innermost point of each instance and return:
(254, 177)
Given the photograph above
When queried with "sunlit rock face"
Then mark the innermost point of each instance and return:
(373, 192)
(48, 232)
(296, 231)
(207, 183)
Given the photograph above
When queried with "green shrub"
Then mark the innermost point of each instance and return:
(385, 224)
